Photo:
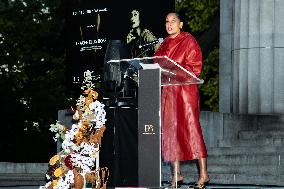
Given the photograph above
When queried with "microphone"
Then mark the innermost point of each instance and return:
(160, 40)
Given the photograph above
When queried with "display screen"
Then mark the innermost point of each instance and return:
(92, 27)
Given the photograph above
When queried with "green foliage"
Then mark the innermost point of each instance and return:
(210, 89)
(197, 13)
(31, 68)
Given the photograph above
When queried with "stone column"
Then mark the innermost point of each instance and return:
(252, 56)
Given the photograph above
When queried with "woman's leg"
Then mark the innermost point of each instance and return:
(203, 177)
(176, 173)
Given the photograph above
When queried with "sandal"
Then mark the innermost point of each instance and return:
(176, 184)
(198, 186)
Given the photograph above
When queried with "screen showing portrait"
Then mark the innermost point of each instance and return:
(97, 31)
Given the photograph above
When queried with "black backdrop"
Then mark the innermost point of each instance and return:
(119, 150)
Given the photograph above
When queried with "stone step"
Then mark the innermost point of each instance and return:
(260, 134)
(276, 180)
(22, 174)
(238, 169)
(242, 150)
(245, 179)
(246, 169)
(22, 179)
(271, 126)
(251, 142)
(270, 122)
(243, 159)
(223, 178)
(223, 168)
(10, 167)
(238, 165)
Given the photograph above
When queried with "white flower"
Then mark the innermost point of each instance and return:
(58, 129)
(68, 145)
(98, 109)
(74, 128)
(47, 177)
(69, 177)
(46, 185)
(80, 101)
(84, 162)
(76, 115)
(56, 137)
(88, 149)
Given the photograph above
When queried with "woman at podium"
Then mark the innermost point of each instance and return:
(182, 137)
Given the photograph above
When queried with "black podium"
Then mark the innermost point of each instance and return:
(133, 161)
(149, 130)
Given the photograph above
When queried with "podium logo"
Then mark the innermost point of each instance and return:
(149, 130)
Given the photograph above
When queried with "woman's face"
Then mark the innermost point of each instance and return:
(135, 20)
(173, 24)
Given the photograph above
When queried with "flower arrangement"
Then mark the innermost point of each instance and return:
(77, 163)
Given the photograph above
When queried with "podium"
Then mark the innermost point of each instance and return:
(151, 73)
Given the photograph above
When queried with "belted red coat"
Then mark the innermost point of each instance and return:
(182, 137)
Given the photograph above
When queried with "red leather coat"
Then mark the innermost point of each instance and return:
(182, 137)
